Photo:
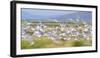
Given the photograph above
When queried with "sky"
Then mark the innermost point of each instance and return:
(43, 14)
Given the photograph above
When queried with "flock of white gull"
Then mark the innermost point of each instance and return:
(61, 32)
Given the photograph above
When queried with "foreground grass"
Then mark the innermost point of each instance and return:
(45, 42)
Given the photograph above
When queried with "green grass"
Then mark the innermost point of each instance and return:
(42, 42)
(25, 44)
(45, 42)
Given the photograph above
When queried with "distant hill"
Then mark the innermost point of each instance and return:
(82, 16)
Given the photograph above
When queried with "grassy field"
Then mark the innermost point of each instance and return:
(45, 42)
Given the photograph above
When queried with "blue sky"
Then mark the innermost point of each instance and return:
(43, 14)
